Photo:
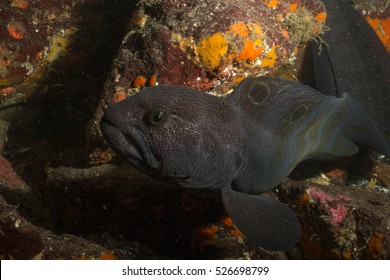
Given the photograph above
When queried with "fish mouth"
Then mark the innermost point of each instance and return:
(131, 144)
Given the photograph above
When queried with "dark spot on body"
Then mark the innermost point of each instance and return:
(356, 128)
(298, 113)
(338, 116)
(259, 93)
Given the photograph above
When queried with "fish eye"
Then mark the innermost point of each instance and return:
(156, 118)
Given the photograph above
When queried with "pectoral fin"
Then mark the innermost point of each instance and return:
(263, 220)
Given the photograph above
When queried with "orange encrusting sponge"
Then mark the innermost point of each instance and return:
(382, 29)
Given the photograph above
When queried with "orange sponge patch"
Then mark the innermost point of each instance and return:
(212, 49)
(139, 81)
(251, 50)
(321, 17)
(270, 58)
(374, 246)
(293, 7)
(271, 3)
(382, 29)
(22, 4)
(239, 29)
(16, 30)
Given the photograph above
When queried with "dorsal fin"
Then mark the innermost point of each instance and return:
(352, 59)
(289, 110)
(290, 122)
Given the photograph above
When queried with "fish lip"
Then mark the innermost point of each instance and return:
(131, 144)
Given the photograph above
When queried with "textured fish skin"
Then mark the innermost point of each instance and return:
(244, 144)
(247, 143)
(352, 59)
(287, 123)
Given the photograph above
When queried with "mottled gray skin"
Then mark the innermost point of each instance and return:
(289, 123)
(247, 143)
(199, 135)
(243, 144)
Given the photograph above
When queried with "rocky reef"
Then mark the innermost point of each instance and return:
(65, 195)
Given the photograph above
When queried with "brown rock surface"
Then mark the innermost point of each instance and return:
(340, 219)
(206, 45)
(34, 35)
(8, 177)
(18, 238)
(70, 210)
